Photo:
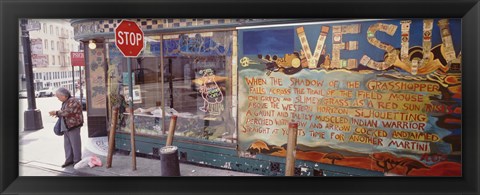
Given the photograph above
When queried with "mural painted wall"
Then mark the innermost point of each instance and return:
(97, 79)
(382, 95)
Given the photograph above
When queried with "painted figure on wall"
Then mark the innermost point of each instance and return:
(211, 93)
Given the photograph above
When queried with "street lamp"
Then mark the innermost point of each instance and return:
(92, 45)
(32, 116)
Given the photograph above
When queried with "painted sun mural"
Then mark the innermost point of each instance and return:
(381, 95)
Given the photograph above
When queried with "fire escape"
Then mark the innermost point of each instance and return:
(64, 49)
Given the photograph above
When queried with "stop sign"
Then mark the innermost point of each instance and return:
(129, 38)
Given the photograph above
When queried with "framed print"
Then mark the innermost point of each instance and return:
(137, 94)
(366, 97)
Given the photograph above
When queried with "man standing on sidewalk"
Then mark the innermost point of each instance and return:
(71, 120)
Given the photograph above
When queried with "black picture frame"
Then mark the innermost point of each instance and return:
(11, 11)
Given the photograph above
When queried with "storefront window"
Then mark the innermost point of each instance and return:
(146, 86)
(196, 81)
(197, 77)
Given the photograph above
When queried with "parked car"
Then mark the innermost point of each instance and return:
(23, 93)
(84, 100)
(46, 92)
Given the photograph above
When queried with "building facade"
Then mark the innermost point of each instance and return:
(50, 51)
(370, 97)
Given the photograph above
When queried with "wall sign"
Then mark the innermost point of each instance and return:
(380, 95)
(77, 58)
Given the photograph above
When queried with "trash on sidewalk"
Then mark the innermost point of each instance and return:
(94, 161)
(90, 161)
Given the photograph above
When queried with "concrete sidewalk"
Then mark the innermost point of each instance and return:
(41, 153)
(121, 165)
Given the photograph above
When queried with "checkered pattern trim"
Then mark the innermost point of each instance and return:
(148, 24)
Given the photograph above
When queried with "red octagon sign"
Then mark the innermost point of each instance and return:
(129, 38)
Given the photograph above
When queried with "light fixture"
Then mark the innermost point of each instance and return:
(91, 44)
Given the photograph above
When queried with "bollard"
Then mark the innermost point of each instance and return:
(169, 161)
(111, 138)
(171, 130)
(291, 145)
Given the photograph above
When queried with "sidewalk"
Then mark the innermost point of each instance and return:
(41, 153)
(122, 164)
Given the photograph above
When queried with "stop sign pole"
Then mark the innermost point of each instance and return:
(129, 39)
(132, 118)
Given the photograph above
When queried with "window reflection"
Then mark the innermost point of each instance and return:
(196, 85)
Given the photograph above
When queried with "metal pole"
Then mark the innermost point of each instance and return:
(80, 85)
(291, 145)
(170, 81)
(132, 125)
(32, 116)
(163, 87)
(73, 81)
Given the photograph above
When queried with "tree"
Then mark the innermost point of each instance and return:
(334, 156)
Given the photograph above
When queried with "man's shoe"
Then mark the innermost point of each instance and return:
(67, 164)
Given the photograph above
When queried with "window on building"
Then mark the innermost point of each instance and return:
(52, 44)
(45, 42)
(58, 47)
(51, 30)
(58, 59)
(56, 30)
(198, 83)
(45, 28)
(53, 60)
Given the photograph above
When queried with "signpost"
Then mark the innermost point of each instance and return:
(77, 59)
(129, 40)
